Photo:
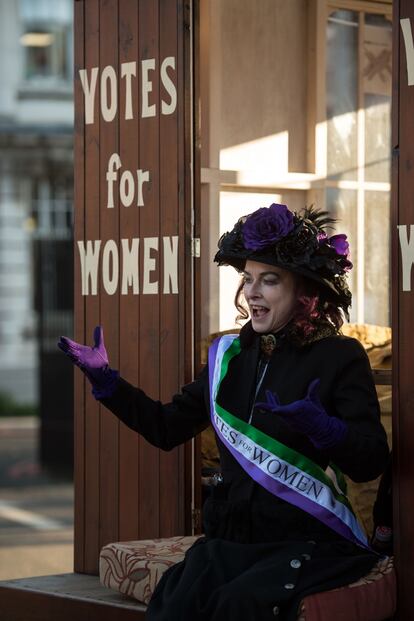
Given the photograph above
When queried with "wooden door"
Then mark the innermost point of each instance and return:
(403, 299)
(133, 265)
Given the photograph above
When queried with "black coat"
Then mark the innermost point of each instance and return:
(240, 510)
(347, 391)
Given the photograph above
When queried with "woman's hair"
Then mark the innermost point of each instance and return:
(238, 302)
(314, 307)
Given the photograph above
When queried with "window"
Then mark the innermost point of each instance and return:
(308, 127)
(52, 208)
(47, 41)
(358, 117)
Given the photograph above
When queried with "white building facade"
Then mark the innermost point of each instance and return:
(36, 184)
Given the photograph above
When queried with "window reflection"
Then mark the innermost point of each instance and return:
(342, 94)
(358, 113)
(376, 76)
(377, 258)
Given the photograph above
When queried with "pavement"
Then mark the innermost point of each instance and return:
(36, 509)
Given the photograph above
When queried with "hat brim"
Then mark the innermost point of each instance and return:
(240, 263)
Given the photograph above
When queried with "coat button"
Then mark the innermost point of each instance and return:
(289, 585)
(276, 611)
(295, 563)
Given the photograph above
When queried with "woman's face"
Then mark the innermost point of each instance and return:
(271, 294)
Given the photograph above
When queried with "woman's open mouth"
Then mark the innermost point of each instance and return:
(258, 312)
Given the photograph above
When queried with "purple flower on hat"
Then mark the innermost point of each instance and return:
(340, 244)
(267, 225)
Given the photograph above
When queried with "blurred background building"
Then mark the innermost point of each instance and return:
(36, 190)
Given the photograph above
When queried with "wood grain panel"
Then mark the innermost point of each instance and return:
(395, 293)
(197, 500)
(187, 161)
(79, 302)
(149, 331)
(21, 603)
(92, 310)
(109, 302)
(403, 310)
(129, 303)
(125, 488)
(170, 217)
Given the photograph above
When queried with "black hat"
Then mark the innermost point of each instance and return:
(294, 241)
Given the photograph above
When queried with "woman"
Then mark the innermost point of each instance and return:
(292, 403)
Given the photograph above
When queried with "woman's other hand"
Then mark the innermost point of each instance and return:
(308, 416)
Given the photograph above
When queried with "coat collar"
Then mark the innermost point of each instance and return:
(286, 335)
(248, 336)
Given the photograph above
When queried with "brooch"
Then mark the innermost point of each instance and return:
(268, 344)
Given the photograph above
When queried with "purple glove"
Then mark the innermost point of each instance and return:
(308, 416)
(93, 361)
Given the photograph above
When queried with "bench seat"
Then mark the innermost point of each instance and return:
(135, 567)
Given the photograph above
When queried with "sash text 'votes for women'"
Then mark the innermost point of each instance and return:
(268, 463)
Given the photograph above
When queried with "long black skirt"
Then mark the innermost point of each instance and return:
(221, 580)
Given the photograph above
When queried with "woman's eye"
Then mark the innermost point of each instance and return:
(270, 281)
(247, 281)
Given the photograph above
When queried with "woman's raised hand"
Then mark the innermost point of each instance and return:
(93, 361)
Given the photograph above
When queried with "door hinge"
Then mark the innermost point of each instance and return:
(195, 247)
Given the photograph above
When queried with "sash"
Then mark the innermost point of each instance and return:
(281, 470)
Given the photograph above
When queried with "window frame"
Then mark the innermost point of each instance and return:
(314, 180)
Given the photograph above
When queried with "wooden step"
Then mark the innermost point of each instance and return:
(65, 597)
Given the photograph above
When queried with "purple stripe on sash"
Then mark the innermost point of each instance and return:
(294, 498)
(270, 484)
(212, 354)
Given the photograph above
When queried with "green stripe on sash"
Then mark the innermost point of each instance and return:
(274, 447)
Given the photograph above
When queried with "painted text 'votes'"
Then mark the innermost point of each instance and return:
(109, 89)
(104, 259)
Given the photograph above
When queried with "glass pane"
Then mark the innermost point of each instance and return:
(342, 94)
(46, 52)
(377, 258)
(342, 204)
(376, 83)
(377, 138)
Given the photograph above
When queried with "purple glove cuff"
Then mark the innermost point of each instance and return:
(108, 383)
(329, 434)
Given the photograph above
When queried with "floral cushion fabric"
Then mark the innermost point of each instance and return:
(135, 567)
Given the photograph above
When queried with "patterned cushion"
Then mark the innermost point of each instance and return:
(135, 567)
